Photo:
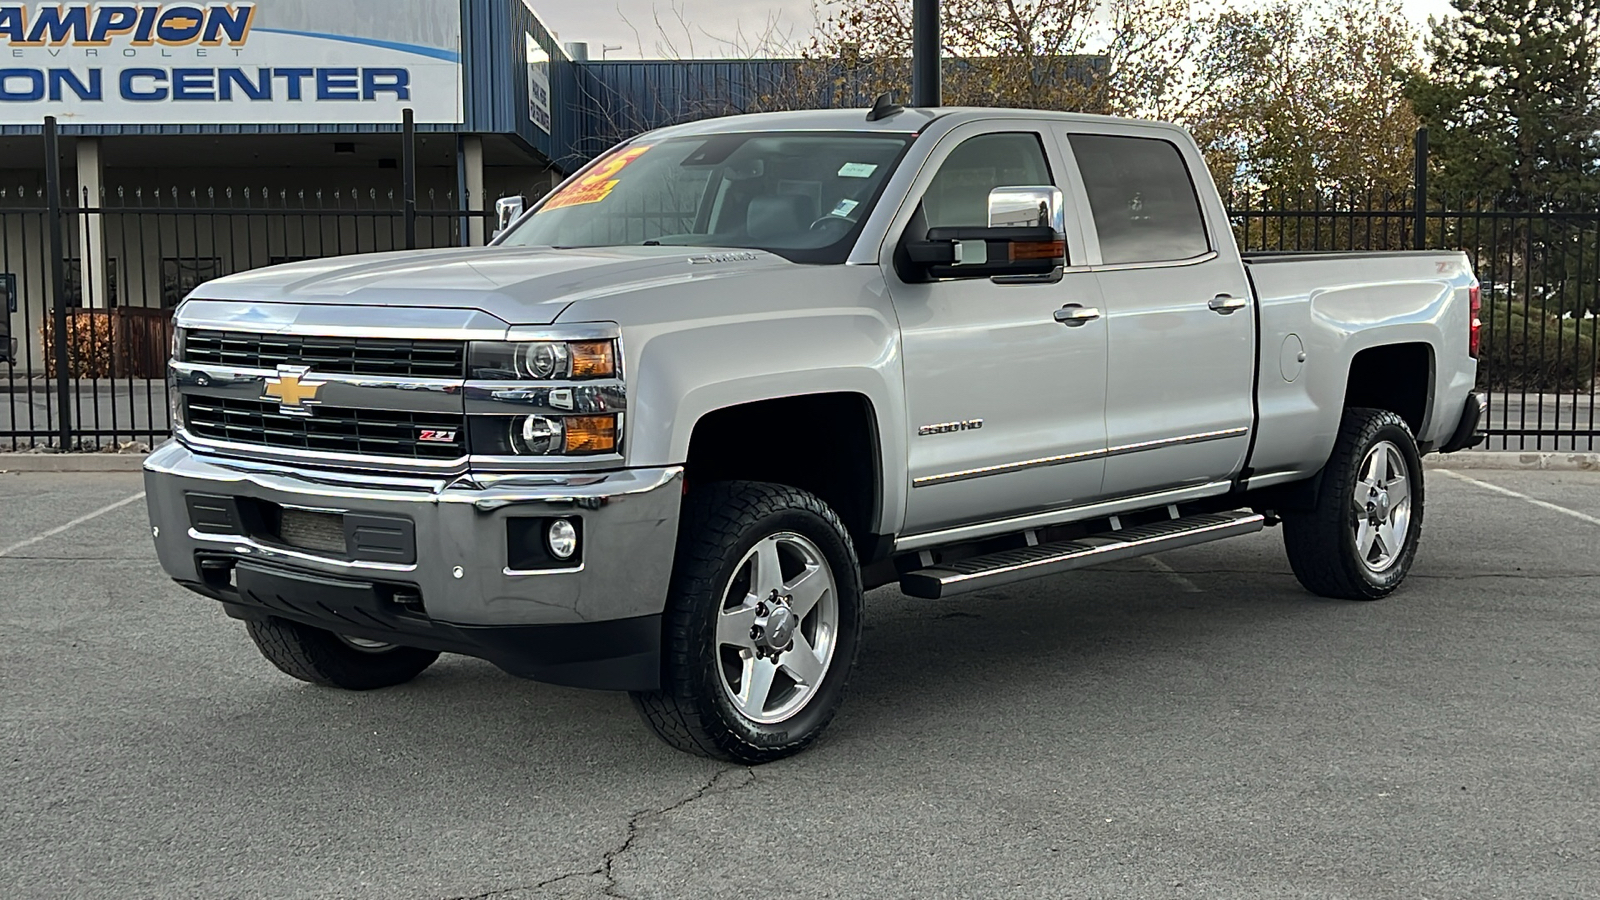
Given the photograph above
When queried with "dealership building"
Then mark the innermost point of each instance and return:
(202, 138)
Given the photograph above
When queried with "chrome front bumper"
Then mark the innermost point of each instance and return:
(628, 520)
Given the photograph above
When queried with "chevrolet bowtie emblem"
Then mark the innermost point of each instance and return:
(294, 393)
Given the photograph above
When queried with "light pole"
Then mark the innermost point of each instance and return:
(925, 52)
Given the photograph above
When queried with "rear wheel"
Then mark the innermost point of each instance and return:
(1359, 540)
(336, 660)
(762, 624)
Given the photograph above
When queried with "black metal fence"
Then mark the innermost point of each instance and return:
(89, 285)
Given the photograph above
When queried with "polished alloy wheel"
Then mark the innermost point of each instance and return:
(365, 645)
(1382, 500)
(777, 627)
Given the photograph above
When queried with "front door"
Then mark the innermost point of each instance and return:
(1005, 402)
(1179, 316)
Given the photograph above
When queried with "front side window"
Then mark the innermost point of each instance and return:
(801, 195)
(959, 192)
(1144, 203)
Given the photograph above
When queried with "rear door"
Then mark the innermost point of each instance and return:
(1179, 313)
(1005, 399)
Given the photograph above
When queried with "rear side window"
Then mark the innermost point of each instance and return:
(1144, 203)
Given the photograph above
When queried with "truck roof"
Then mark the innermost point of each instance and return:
(909, 121)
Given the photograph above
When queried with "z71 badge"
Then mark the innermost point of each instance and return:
(437, 437)
(947, 427)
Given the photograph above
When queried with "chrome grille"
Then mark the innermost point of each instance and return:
(361, 432)
(327, 355)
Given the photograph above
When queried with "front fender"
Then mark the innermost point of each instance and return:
(809, 330)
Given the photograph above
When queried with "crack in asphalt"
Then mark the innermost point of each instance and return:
(609, 860)
(524, 887)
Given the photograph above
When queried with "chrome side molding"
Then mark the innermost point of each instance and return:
(1002, 468)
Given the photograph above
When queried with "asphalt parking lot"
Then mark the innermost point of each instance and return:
(1189, 726)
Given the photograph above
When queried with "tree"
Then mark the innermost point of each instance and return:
(1304, 99)
(1285, 98)
(1512, 99)
(1080, 55)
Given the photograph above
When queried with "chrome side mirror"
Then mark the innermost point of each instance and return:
(506, 211)
(1028, 206)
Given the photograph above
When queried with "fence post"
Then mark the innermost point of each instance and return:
(408, 168)
(58, 280)
(1419, 238)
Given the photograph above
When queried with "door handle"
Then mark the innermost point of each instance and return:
(1226, 304)
(1074, 315)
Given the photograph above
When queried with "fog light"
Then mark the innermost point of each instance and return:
(562, 538)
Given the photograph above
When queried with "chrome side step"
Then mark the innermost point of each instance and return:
(1009, 566)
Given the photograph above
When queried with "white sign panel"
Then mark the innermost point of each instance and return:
(271, 61)
(538, 84)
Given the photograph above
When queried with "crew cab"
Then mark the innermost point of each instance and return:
(664, 432)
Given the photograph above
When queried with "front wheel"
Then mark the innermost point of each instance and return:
(762, 624)
(336, 660)
(1359, 540)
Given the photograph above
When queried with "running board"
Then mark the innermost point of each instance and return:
(1008, 566)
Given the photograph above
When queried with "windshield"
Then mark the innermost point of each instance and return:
(802, 195)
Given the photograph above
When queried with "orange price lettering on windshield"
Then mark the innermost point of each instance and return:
(597, 183)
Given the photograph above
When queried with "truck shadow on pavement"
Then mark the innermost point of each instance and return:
(1067, 644)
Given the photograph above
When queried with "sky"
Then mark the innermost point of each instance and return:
(631, 24)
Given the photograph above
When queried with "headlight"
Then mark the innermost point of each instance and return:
(538, 435)
(542, 360)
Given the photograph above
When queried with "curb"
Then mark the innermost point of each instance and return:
(71, 462)
(1515, 459)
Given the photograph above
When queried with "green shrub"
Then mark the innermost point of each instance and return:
(1526, 348)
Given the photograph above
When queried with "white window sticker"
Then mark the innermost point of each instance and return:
(845, 207)
(857, 170)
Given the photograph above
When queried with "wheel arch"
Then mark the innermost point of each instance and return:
(1399, 377)
(840, 459)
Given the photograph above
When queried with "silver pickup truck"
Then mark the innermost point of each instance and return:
(662, 433)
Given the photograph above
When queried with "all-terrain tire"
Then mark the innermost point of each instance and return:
(322, 657)
(1322, 542)
(722, 522)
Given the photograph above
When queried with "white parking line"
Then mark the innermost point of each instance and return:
(73, 524)
(1510, 493)
(1174, 576)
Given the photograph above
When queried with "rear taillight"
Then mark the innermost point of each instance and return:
(1475, 300)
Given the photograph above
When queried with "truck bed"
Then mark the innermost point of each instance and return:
(1319, 311)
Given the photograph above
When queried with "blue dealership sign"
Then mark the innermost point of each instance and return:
(271, 61)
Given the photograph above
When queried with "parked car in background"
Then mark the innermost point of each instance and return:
(662, 435)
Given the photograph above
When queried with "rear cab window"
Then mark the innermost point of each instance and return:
(1142, 198)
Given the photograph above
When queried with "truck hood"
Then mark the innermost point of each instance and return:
(518, 285)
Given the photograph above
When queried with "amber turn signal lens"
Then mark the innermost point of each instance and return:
(1038, 250)
(591, 434)
(593, 359)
